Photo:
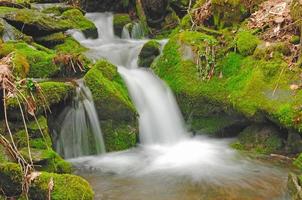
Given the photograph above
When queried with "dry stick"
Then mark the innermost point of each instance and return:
(72, 65)
(26, 131)
(5, 115)
(41, 131)
(189, 13)
(278, 80)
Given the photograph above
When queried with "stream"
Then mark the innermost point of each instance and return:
(169, 163)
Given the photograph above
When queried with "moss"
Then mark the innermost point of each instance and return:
(246, 42)
(47, 160)
(41, 64)
(109, 92)
(10, 179)
(53, 93)
(80, 22)
(260, 139)
(66, 187)
(36, 139)
(52, 39)
(35, 23)
(295, 39)
(119, 21)
(149, 52)
(118, 136)
(247, 84)
(70, 46)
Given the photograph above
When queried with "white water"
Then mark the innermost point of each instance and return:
(80, 133)
(166, 146)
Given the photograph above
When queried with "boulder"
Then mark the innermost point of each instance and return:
(148, 53)
(119, 21)
(105, 5)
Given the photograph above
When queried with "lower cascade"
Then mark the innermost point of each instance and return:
(80, 133)
(167, 155)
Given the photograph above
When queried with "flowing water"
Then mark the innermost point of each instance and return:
(80, 133)
(169, 164)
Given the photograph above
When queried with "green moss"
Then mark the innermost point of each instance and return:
(247, 84)
(109, 91)
(41, 64)
(149, 52)
(260, 139)
(52, 39)
(70, 46)
(11, 179)
(47, 160)
(66, 187)
(78, 21)
(118, 136)
(36, 139)
(119, 21)
(53, 93)
(246, 42)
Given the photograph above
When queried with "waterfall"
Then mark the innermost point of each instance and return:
(160, 120)
(80, 132)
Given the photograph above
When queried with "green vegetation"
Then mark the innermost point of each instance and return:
(119, 136)
(246, 43)
(109, 92)
(10, 179)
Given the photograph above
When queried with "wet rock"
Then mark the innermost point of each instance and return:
(260, 138)
(148, 53)
(105, 5)
(119, 21)
(294, 142)
(155, 11)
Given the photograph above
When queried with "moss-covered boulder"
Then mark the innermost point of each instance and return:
(119, 135)
(47, 160)
(109, 92)
(10, 179)
(40, 62)
(35, 23)
(260, 138)
(52, 39)
(119, 21)
(65, 187)
(255, 88)
(148, 53)
(298, 162)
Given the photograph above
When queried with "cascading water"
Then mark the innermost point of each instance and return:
(168, 158)
(80, 133)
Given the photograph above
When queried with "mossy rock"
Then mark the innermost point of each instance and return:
(37, 24)
(66, 187)
(260, 138)
(11, 179)
(38, 135)
(119, 21)
(47, 160)
(247, 85)
(267, 50)
(81, 23)
(106, 5)
(54, 93)
(70, 46)
(40, 61)
(119, 136)
(52, 39)
(8, 32)
(148, 53)
(246, 42)
(109, 92)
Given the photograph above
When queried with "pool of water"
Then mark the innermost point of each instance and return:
(196, 169)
